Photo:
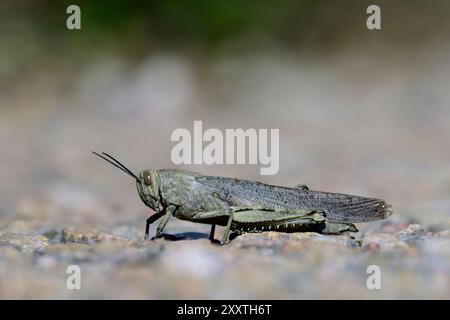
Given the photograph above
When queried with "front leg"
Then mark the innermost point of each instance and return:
(168, 213)
(150, 220)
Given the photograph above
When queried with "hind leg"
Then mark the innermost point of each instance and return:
(338, 228)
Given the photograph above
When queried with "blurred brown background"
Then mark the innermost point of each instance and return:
(359, 111)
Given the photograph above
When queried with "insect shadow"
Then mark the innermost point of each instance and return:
(184, 236)
(192, 236)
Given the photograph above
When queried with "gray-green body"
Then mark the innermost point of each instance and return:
(250, 206)
(247, 206)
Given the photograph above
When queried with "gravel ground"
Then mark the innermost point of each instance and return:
(117, 263)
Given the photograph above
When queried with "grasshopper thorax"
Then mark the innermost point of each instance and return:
(148, 189)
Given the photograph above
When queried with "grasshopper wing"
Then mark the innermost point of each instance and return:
(338, 207)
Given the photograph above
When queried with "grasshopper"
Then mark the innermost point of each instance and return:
(247, 206)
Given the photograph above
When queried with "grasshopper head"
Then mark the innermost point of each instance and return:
(148, 188)
(147, 182)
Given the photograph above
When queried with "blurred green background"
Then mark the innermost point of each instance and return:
(35, 29)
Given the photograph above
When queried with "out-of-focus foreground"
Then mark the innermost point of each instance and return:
(361, 112)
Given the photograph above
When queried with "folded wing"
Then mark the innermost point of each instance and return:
(338, 207)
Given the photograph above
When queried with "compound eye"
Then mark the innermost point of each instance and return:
(147, 179)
